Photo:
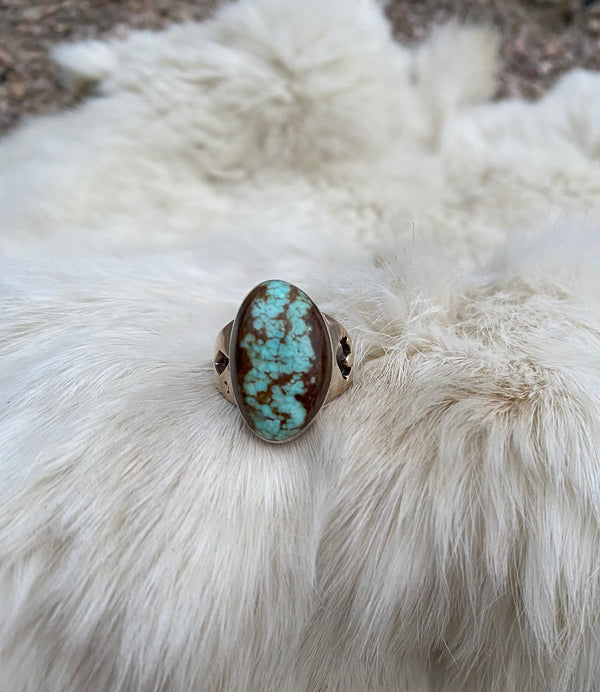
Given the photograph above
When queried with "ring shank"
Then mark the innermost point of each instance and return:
(343, 358)
(221, 363)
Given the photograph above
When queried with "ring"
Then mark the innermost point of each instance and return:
(280, 360)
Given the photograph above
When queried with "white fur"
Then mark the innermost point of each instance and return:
(86, 63)
(437, 529)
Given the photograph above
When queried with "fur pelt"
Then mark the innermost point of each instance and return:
(437, 528)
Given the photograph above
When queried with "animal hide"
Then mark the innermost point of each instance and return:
(437, 528)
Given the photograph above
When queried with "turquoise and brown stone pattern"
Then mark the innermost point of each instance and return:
(281, 362)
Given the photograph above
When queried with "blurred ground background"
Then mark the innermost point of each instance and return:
(541, 39)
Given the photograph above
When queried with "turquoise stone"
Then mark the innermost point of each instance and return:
(281, 364)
